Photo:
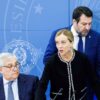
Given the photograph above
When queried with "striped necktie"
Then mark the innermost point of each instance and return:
(10, 91)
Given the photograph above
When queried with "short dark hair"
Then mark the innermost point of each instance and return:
(81, 10)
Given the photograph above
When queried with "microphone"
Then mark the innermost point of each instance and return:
(58, 93)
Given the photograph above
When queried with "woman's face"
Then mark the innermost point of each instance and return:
(63, 45)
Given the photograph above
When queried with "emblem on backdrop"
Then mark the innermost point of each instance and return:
(27, 54)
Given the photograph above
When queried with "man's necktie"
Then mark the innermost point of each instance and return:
(80, 44)
(10, 91)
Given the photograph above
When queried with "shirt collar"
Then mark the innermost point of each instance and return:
(7, 81)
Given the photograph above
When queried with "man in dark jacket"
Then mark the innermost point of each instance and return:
(15, 86)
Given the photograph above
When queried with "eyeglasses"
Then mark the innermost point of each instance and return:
(17, 64)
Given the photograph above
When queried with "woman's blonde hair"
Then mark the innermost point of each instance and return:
(67, 33)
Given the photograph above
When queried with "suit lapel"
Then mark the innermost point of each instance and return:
(21, 87)
(2, 94)
(88, 42)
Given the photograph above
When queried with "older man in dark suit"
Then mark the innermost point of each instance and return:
(15, 86)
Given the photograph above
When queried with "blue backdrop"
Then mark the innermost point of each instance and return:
(26, 26)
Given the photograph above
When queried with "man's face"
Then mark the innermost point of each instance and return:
(84, 25)
(10, 70)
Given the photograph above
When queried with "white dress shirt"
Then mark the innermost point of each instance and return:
(14, 88)
(76, 39)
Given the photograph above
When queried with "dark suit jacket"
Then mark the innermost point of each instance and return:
(92, 48)
(27, 85)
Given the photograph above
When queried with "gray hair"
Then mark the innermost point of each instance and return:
(5, 55)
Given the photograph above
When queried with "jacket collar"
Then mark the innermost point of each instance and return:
(2, 94)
